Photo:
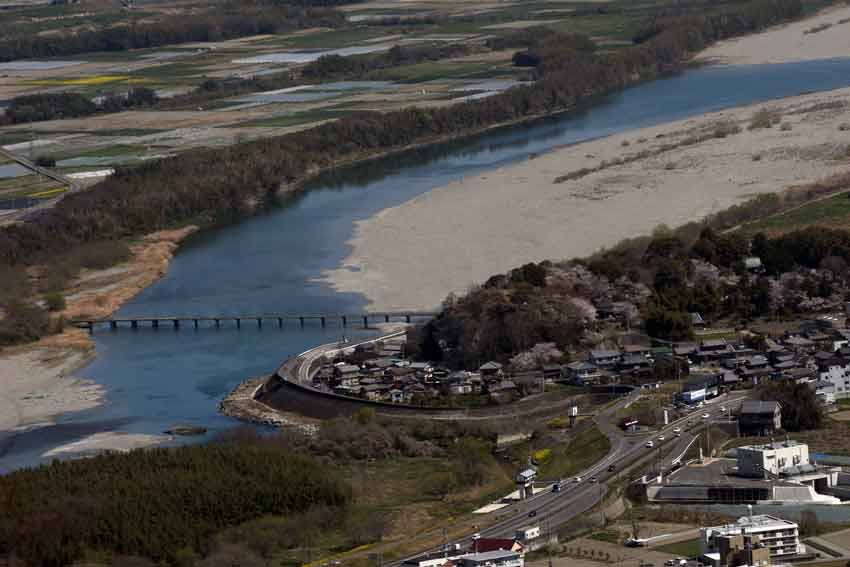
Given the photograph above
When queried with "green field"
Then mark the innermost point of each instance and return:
(688, 548)
(581, 452)
(831, 211)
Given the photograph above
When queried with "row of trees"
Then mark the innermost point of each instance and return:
(338, 66)
(55, 106)
(225, 22)
(217, 185)
(160, 503)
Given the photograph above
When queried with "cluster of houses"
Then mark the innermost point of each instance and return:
(380, 373)
(818, 353)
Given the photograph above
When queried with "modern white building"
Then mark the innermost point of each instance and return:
(836, 369)
(499, 558)
(772, 459)
(780, 536)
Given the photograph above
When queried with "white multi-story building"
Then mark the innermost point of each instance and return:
(780, 536)
(836, 369)
(498, 558)
(772, 459)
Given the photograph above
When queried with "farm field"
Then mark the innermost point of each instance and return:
(175, 70)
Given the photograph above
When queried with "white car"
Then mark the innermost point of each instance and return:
(660, 438)
(677, 432)
(650, 444)
(578, 479)
(722, 408)
(705, 416)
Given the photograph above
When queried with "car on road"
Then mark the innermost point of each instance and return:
(650, 444)
(612, 468)
(532, 513)
(594, 479)
(705, 416)
(660, 438)
(677, 432)
(578, 479)
(722, 408)
(556, 487)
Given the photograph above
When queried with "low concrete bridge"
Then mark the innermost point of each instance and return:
(177, 321)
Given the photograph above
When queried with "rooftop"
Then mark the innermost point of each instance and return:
(490, 555)
(758, 407)
(763, 520)
(773, 446)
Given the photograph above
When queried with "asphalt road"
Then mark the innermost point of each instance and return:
(553, 509)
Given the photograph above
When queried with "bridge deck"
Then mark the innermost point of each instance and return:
(154, 320)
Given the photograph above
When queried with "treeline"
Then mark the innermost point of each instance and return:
(801, 409)
(334, 66)
(726, 21)
(55, 106)
(161, 504)
(217, 185)
(227, 21)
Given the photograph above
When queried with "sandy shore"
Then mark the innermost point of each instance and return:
(411, 256)
(39, 380)
(823, 36)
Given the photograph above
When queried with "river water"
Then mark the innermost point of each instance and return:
(158, 378)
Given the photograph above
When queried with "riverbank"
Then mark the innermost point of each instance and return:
(573, 201)
(822, 36)
(39, 380)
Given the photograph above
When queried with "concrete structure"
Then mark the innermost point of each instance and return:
(737, 550)
(779, 536)
(499, 558)
(835, 368)
(525, 483)
(760, 418)
(772, 459)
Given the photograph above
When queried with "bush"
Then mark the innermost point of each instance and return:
(764, 119)
(55, 301)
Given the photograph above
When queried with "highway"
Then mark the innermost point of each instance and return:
(24, 214)
(553, 509)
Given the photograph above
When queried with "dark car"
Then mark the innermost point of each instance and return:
(532, 513)
(612, 468)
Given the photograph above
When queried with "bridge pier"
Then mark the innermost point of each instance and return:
(366, 321)
(134, 324)
(238, 323)
(301, 320)
(176, 324)
(322, 318)
(344, 321)
(113, 325)
(155, 324)
(260, 322)
(280, 322)
(407, 318)
(386, 318)
(195, 321)
(217, 323)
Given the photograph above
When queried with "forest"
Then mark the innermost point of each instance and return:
(664, 278)
(227, 21)
(221, 185)
(257, 496)
(55, 106)
(160, 504)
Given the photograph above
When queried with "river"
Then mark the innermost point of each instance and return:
(158, 378)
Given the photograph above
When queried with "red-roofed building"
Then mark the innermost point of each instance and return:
(485, 544)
